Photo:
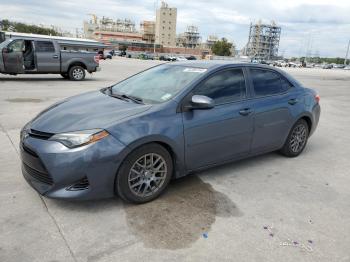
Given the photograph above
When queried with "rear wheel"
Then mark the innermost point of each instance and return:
(76, 73)
(144, 174)
(296, 140)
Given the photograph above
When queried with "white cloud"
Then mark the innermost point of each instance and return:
(326, 24)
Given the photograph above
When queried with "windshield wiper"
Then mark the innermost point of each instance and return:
(135, 99)
(122, 96)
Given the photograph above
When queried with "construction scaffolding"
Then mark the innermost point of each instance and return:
(190, 38)
(148, 30)
(109, 25)
(263, 42)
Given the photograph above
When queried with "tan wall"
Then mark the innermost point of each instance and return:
(166, 26)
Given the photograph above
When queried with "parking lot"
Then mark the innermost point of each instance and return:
(264, 208)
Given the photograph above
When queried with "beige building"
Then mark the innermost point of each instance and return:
(166, 25)
(148, 31)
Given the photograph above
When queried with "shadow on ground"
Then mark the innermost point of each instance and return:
(180, 216)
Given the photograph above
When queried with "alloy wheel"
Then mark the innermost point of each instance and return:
(147, 174)
(78, 73)
(298, 138)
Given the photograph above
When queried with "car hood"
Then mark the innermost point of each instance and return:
(83, 112)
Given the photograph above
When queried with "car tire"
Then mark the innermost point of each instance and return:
(296, 140)
(65, 75)
(138, 180)
(76, 73)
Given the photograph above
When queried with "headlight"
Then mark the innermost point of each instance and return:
(79, 138)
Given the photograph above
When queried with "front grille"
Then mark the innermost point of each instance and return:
(40, 176)
(80, 185)
(40, 135)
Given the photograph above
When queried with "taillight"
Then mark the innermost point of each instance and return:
(97, 59)
(317, 98)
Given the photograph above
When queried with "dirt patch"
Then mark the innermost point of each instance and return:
(24, 100)
(180, 216)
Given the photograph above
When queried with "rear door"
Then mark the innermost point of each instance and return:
(13, 57)
(47, 56)
(225, 131)
(273, 103)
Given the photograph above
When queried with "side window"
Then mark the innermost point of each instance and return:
(286, 85)
(44, 46)
(266, 82)
(223, 87)
(16, 46)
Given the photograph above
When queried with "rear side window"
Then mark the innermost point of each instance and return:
(44, 46)
(268, 83)
(224, 87)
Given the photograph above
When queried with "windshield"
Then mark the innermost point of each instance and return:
(158, 84)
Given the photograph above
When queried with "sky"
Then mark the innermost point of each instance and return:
(316, 27)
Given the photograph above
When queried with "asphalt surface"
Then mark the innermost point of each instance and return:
(267, 208)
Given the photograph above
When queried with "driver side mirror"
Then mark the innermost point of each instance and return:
(200, 102)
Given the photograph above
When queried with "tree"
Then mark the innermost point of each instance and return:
(222, 47)
(25, 28)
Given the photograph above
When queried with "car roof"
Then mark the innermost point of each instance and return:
(217, 64)
(212, 64)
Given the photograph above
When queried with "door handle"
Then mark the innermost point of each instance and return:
(245, 112)
(293, 101)
(55, 56)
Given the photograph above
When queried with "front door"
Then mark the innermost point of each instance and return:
(47, 57)
(13, 57)
(224, 132)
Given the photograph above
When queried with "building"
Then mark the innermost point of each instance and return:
(148, 31)
(263, 42)
(108, 25)
(190, 38)
(211, 40)
(166, 25)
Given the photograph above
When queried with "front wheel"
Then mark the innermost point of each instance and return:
(296, 140)
(144, 174)
(76, 73)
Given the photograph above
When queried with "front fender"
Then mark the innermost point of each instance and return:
(163, 126)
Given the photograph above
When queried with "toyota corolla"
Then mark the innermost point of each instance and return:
(132, 138)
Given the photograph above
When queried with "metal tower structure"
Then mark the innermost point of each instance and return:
(263, 42)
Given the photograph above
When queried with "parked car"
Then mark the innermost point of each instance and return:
(191, 57)
(327, 66)
(181, 58)
(145, 56)
(35, 55)
(131, 138)
(103, 55)
(347, 68)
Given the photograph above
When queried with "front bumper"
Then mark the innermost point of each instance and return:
(86, 172)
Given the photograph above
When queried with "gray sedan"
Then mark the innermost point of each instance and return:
(132, 138)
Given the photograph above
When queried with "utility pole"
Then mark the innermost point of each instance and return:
(347, 54)
(155, 25)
